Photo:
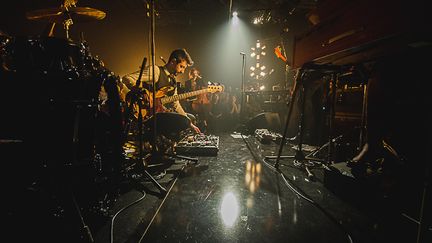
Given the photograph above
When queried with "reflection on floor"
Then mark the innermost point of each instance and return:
(236, 196)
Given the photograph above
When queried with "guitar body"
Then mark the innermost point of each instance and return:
(146, 99)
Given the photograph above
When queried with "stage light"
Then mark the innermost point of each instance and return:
(258, 54)
(252, 69)
(235, 14)
(262, 87)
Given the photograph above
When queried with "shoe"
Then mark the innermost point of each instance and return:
(358, 169)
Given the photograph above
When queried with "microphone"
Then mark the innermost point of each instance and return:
(242, 53)
(199, 76)
(163, 60)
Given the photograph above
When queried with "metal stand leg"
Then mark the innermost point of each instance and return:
(162, 189)
(425, 220)
(299, 157)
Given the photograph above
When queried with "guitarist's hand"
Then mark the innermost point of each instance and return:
(195, 128)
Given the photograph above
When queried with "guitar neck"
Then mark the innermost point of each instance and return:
(169, 99)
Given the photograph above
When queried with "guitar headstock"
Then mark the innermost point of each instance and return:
(278, 53)
(212, 88)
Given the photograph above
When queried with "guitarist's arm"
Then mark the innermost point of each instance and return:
(179, 109)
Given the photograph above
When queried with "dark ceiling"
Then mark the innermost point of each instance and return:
(172, 12)
(271, 11)
(121, 38)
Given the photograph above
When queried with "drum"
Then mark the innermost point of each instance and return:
(64, 108)
(45, 54)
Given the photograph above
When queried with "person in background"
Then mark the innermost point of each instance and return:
(200, 104)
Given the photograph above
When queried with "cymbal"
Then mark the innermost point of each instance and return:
(59, 15)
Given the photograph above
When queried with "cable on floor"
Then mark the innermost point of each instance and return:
(291, 185)
(121, 210)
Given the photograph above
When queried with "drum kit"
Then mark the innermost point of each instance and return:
(61, 106)
(62, 102)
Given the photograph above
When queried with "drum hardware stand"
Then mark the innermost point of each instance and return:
(86, 230)
(136, 97)
(299, 157)
(425, 218)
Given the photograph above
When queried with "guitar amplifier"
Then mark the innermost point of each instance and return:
(198, 144)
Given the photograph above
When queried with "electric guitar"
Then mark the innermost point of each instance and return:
(162, 99)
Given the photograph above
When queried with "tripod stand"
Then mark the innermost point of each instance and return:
(300, 158)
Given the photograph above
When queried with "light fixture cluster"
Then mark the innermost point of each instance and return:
(258, 71)
(261, 17)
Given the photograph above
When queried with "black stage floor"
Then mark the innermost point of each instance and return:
(236, 196)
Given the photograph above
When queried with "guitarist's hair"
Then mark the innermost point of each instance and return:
(179, 55)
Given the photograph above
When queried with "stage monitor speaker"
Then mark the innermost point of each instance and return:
(265, 120)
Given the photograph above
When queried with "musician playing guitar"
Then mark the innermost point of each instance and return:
(165, 79)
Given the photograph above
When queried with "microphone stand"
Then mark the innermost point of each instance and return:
(242, 86)
(152, 65)
(154, 152)
(154, 155)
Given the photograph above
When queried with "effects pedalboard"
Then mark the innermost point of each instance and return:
(198, 144)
